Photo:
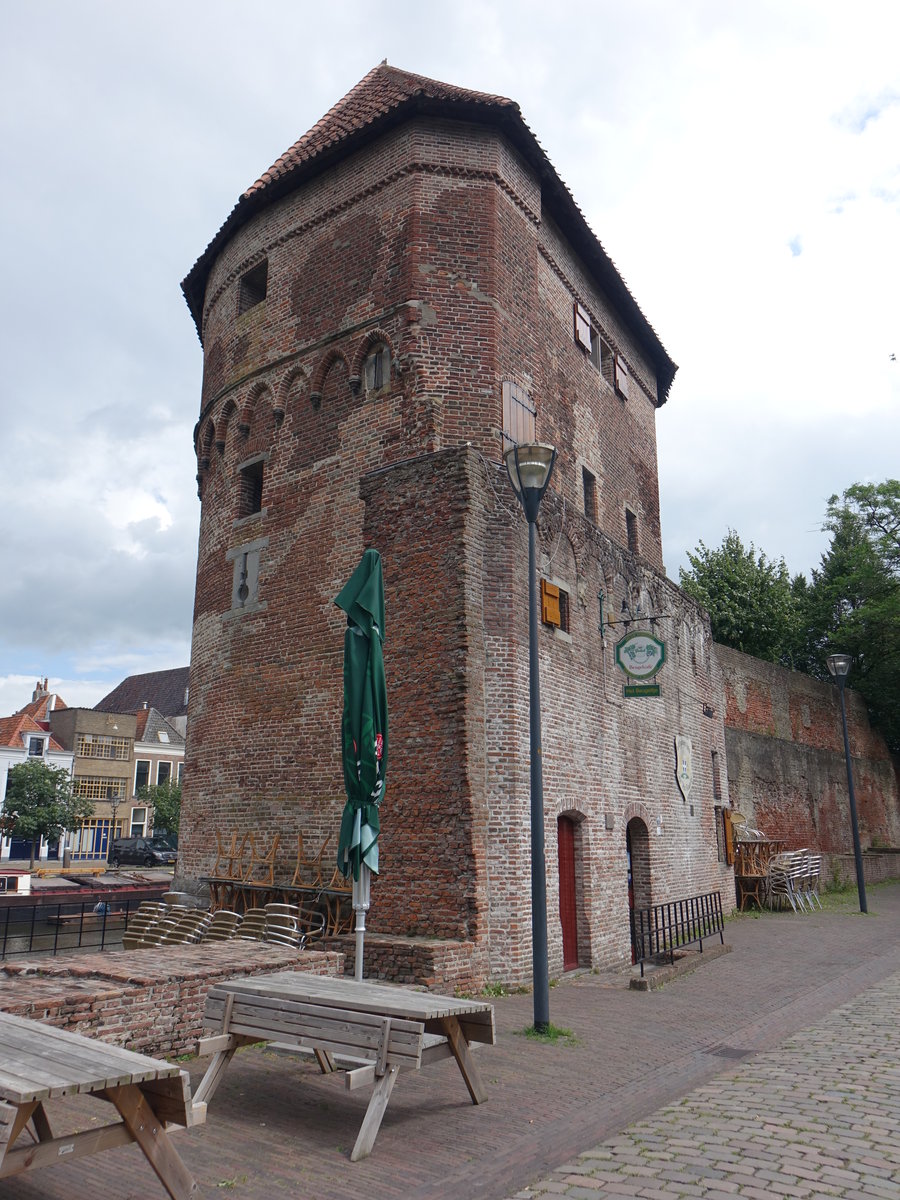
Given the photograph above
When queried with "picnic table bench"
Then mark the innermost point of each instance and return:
(39, 1063)
(368, 1031)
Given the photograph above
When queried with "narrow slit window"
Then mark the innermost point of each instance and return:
(589, 486)
(631, 530)
(251, 489)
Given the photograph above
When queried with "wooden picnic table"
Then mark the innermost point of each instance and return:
(39, 1063)
(369, 1031)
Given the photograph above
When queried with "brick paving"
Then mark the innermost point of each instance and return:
(699, 1055)
(817, 1117)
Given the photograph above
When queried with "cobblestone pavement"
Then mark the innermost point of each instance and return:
(277, 1128)
(818, 1117)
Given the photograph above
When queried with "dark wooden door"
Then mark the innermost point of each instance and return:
(567, 912)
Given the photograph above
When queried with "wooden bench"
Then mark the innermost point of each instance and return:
(40, 1063)
(370, 1032)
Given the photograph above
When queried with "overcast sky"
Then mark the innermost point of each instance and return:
(740, 163)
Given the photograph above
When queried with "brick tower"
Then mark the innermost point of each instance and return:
(406, 290)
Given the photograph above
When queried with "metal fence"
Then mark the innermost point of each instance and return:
(659, 931)
(66, 926)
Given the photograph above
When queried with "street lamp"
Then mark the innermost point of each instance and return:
(530, 467)
(112, 799)
(839, 666)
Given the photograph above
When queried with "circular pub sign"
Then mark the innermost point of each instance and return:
(640, 655)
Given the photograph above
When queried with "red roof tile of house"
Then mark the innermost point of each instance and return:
(384, 98)
(13, 728)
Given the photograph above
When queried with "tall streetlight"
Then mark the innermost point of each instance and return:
(530, 467)
(839, 666)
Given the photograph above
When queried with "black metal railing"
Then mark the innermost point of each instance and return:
(659, 931)
(67, 925)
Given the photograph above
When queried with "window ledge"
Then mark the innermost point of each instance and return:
(243, 522)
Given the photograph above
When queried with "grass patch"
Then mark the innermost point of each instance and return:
(552, 1035)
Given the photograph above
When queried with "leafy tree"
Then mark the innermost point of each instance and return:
(855, 599)
(752, 602)
(39, 803)
(165, 799)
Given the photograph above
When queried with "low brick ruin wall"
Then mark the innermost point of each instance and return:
(149, 1000)
(439, 964)
(878, 867)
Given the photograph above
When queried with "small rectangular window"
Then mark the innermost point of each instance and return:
(180, 772)
(554, 606)
(518, 415)
(589, 485)
(631, 530)
(141, 774)
(35, 747)
(163, 772)
(253, 287)
(138, 821)
(251, 481)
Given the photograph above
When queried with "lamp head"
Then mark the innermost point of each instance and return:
(530, 467)
(839, 665)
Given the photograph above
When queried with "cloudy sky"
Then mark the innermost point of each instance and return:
(739, 161)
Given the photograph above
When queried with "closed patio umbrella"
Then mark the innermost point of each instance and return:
(364, 740)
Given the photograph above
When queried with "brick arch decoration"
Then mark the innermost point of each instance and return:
(321, 369)
(295, 376)
(225, 420)
(204, 444)
(251, 405)
(641, 857)
(375, 337)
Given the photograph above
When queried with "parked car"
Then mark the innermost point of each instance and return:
(147, 851)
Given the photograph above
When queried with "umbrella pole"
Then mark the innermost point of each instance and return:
(360, 907)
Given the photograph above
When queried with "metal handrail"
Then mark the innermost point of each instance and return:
(661, 930)
(64, 926)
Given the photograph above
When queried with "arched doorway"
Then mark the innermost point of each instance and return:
(568, 905)
(637, 849)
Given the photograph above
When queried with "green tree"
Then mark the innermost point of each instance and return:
(855, 599)
(165, 799)
(39, 803)
(752, 602)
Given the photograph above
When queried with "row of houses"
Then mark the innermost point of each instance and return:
(133, 738)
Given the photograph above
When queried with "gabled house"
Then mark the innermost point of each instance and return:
(23, 738)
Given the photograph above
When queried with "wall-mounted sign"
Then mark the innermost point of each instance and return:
(641, 689)
(640, 655)
(684, 763)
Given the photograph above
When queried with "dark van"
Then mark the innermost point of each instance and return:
(146, 851)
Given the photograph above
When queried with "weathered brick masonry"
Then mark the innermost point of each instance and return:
(786, 767)
(363, 312)
(149, 1000)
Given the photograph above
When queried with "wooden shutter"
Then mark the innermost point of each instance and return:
(729, 836)
(550, 603)
(622, 376)
(582, 327)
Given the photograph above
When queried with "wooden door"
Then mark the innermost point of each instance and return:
(567, 908)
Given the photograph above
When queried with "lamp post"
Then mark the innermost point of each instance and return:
(530, 467)
(839, 666)
(112, 799)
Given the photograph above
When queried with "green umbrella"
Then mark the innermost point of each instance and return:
(364, 735)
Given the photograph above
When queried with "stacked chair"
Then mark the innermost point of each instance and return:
(794, 877)
(172, 924)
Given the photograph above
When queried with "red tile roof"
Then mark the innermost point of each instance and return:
(13, 728)
(384, 98)
(39, 709)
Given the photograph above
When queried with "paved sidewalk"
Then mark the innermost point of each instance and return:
(278, 1128)
(818, 1117)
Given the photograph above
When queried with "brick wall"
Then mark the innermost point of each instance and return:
(148, 1000)
(433, 242)
(786, 766)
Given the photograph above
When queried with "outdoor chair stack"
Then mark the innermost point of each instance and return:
(794, 877)
(222, 927)
(140, 922)
(243, 872)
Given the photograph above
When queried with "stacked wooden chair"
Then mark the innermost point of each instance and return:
(141, 922)
(222, 927)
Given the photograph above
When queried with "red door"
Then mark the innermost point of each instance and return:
(566, 846)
